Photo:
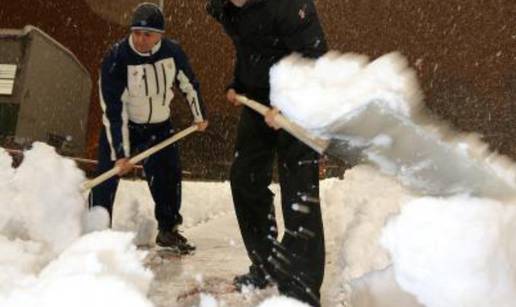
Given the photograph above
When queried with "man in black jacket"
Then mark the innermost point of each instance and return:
(263, 32)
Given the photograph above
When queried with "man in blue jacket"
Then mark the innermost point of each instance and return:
(263, 32)
(135, 89)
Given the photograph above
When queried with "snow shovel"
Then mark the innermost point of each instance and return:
(336, 148)
(144, 154)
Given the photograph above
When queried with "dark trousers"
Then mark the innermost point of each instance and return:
(162, 172)
(297, 262)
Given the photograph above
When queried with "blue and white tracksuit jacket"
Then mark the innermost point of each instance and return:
(135, 92)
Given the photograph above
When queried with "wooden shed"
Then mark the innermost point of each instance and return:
(44, 91)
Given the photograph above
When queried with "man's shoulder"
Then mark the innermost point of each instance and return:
(171, 45)
(172, 48)
(287, 5)
(118, 49)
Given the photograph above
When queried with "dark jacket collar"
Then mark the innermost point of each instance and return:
(249, 3)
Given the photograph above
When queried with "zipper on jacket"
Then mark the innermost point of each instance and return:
(165, 83)
(150, 110)
(156, 78)
(146, 82)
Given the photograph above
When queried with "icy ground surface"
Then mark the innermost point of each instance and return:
(210, 222)
(352, 214)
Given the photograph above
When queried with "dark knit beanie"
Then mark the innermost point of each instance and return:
(148, 17)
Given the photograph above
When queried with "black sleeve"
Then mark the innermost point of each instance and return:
(216, 9)
(235, 83)
(222, 11)
(300, 28)
(112, 84)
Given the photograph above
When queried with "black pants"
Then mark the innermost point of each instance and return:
(162, 172)
(297, 262)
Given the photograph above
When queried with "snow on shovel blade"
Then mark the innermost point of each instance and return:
(377, 107)
(422, 157)
(427, 158)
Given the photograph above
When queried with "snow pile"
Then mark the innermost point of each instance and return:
(277, 301)
(458, 251)
(208, 301)
(8, 213)
(379, 289)
(44, 261)
(354, 217)
(100, 269)
(19, 262)
(41, 200)
(360, 216)
(95, 219)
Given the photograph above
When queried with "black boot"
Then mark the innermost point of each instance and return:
(172, 239)
(255, 279)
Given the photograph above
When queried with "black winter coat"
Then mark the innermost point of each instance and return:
(264, 31)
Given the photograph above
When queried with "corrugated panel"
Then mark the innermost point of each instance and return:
(7, 76)
(6, 87)
(7, 71)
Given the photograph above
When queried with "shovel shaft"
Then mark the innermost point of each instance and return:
(139, 157)
(299, 132)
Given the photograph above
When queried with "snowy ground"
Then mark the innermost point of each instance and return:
(209, 222)
(456, 251)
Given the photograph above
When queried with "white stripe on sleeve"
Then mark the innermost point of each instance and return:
(191, 95)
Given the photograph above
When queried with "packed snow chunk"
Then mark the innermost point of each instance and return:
(380, 289)
(7, 193)
(282, 301)
(360, 217)
(315, 93)
(99, 269)
(95, 219)
(6, 170)
(208, 301)
(46, 202)
(80, 291)
(19, 263)
(103, 253)
(457, 251)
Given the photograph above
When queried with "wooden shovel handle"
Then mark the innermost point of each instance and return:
(144, 154)
(299, 132)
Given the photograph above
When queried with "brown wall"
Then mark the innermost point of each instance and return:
(464, 52)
